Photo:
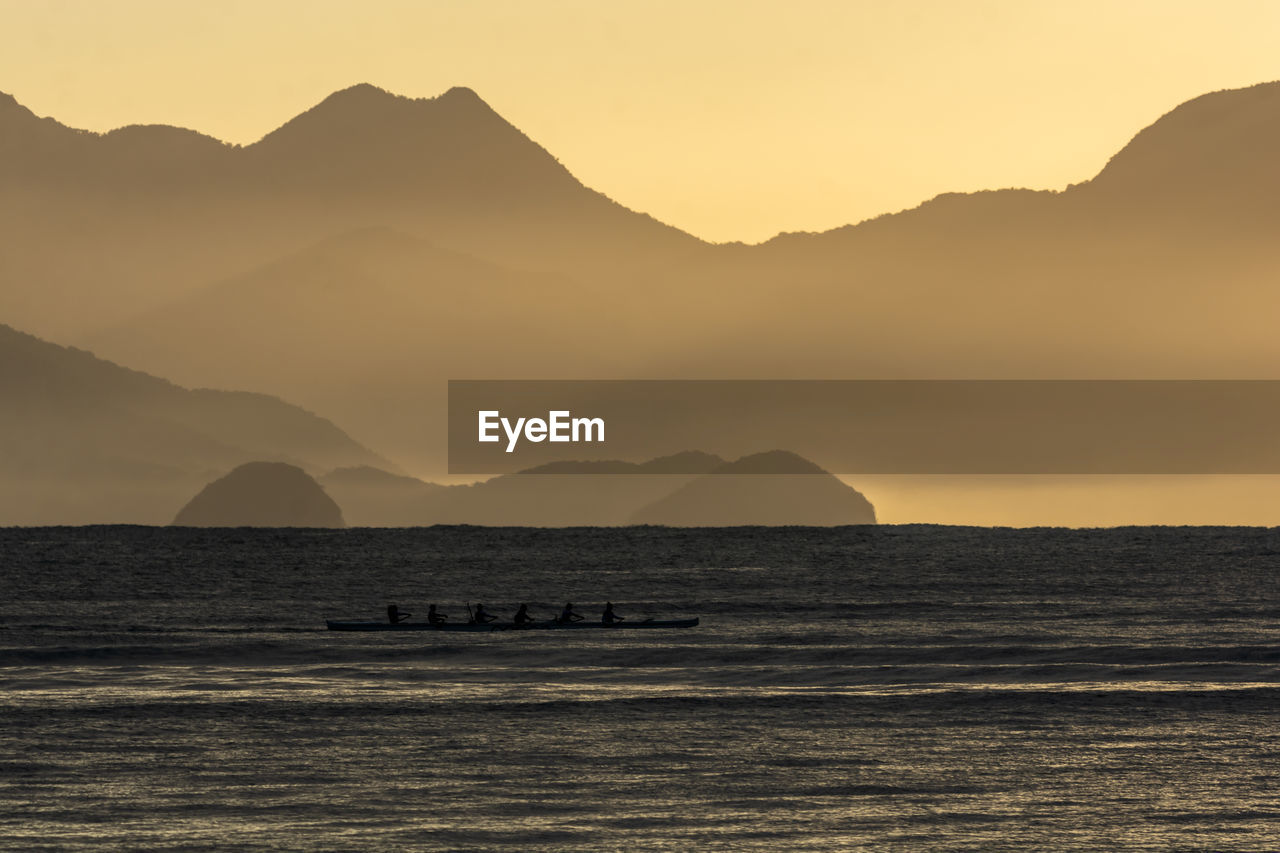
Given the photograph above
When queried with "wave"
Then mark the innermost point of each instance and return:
(507, 659)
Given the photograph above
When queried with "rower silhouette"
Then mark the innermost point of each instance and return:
(394, 616)
(481, 617)
(522, 616)
(567, 615)
(609, 617)
(435, 618)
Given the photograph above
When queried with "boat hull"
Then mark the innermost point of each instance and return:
(335, 625)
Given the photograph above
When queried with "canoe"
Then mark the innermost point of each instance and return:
(506, 626)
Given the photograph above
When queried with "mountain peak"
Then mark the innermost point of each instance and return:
(453, 145)
(460, 92)
(462, 97)
(365, 102)
(360, 93)
(364, 90)
(354, 103)
(368, 112)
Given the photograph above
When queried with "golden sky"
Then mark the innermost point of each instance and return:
(733, 120)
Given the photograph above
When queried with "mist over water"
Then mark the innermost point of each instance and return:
(851, 687)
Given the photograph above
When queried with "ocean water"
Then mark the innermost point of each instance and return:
(853, 688)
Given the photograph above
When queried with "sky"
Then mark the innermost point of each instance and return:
(731, 120)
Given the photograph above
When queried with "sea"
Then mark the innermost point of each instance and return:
(855, 688)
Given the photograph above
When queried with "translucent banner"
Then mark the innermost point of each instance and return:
(874, 426)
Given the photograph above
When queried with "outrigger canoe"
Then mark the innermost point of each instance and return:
(507, 626)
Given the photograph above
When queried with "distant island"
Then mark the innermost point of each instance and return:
(89, 441)
(262, 494)
(774, 488)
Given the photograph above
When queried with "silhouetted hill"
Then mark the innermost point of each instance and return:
(370, 295)
(83, 440)
(774, 488)
(1111, 277)
(763, 489)
(148, 212)
(371, 497)
(41, 153)
(565, 494)
(262, 494)
(558, 494)
(377, 316)
(375, 246)
(1104, 279)
(1218, 146)
(366, 140)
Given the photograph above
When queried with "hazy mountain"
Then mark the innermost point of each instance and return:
(1159, 266)
(122, 221)
(1217, 151)
(561, 494)
(368, 305)
(1107, 278)
(765, 489)
(367, 324)
(261, 494)
(371, 497)
(376, 246)
(565, 494)
(83, 440)
(773, 488)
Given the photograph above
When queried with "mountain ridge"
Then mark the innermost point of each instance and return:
(262, 494)
(122, 221)
(1094, 281)
(84, 440)
(1223, 112)
(955, 287)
